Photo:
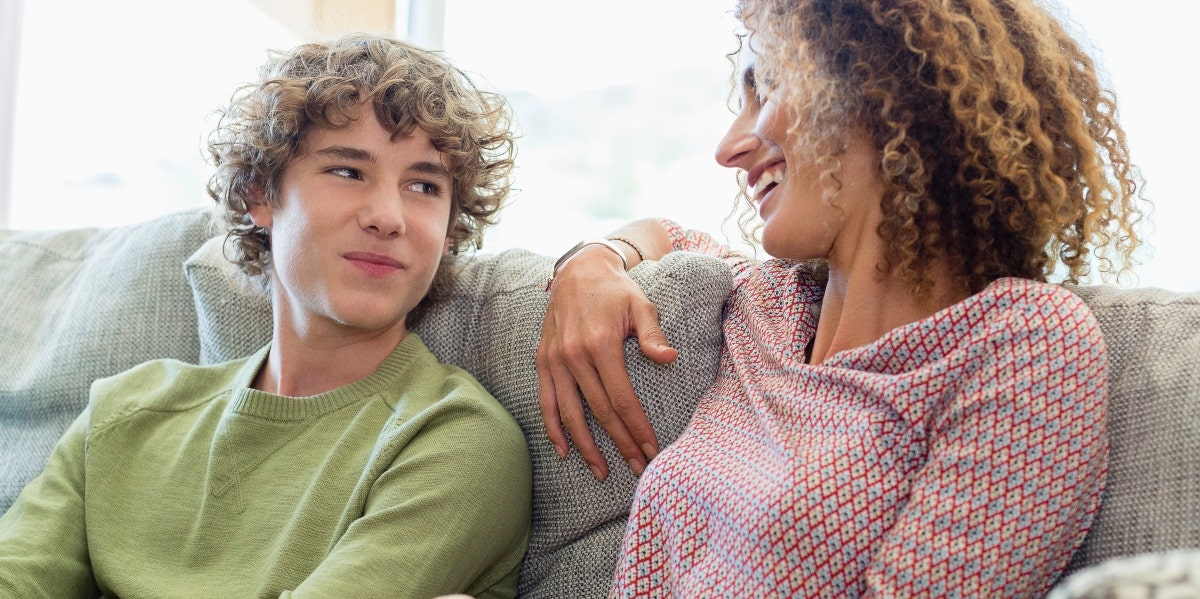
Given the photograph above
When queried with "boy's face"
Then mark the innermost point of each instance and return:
(360, 228)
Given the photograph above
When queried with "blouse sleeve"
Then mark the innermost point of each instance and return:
(690, 240)
(1015, 468)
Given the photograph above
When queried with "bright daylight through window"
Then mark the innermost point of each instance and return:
(620, 105)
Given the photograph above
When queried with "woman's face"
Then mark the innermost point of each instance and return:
(799, 221)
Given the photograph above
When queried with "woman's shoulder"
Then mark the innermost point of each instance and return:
(777, 275)
(1024, 307)
(1020, 295)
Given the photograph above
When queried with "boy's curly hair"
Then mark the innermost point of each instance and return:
(1000, 151)
(259, 132)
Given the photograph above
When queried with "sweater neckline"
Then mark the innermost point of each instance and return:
(394, 369)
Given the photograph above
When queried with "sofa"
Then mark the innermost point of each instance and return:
(80, 304)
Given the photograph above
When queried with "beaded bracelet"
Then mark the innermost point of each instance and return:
(641, 255)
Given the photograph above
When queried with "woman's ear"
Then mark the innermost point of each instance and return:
(260, 208)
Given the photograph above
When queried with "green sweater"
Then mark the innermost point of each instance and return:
(181, 481)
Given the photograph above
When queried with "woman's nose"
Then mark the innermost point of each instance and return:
(739, 143)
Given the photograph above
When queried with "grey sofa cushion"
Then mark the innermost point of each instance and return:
(81, 304)
(1164, 575)
(1152, 499)
(490, 326)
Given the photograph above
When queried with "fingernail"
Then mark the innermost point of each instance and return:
(597, 472)
(636, 465)
(561, 451)
(648, 449)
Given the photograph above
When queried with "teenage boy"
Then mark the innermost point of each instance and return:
(341, 460)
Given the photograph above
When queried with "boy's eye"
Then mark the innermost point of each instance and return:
(425, 187)
(344, 171)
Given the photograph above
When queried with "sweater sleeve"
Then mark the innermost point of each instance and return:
(1016, 464)
(450, 515)
(43, 541)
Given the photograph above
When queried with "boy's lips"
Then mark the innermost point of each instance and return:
(372, 263)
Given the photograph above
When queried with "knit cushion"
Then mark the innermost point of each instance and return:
(490, 325)
(1164, 575)
(78, 305)
(1152, 500)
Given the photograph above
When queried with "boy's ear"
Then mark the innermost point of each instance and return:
(446, 247)
(259, 208)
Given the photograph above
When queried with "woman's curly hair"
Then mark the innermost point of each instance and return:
(259, 133)
(1000, 152)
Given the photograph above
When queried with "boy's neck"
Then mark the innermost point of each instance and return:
(301, 365)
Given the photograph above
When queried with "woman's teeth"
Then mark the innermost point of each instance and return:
(767, 179)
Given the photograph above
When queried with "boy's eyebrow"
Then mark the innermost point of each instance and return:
(432, 169)
(347, 153)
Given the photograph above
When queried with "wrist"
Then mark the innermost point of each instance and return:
(579, 247)
(641, 255)
(585, 244)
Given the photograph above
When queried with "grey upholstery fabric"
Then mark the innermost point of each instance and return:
(77, 305)
(233, 318)
(490, 325)
(1152, 497)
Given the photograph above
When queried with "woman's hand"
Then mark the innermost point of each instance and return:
(594, 306)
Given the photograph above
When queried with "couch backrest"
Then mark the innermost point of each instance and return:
(80, 304)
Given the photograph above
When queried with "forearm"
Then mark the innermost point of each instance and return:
(43, 548)
(645, 239)
(620, 250)
(450, 514)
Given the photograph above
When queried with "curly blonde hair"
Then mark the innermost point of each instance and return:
(1000, 151)
(319, 85)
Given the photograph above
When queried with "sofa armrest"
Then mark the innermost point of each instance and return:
(1151, 501)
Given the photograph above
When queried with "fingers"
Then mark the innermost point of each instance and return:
(548, 402)
(651, 339)
(562, 409)
(591, 312)
(573, 420)
(596, 375)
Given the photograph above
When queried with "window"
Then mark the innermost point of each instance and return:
(111, 110)
(620, 105)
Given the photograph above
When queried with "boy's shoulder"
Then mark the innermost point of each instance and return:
(164, 385)
(447, 393)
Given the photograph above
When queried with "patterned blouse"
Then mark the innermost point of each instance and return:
(960, 455)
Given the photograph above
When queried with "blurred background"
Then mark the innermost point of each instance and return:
(104, 107)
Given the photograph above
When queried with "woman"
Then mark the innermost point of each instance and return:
(905, 406)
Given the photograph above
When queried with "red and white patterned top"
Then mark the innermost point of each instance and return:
(960, 455)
